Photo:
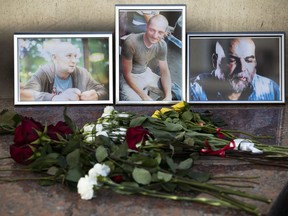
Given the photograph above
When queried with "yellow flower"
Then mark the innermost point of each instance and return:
(179, 106)
(165, 109)
(156, 114)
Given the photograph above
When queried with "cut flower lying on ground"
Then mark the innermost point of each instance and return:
(132, 154)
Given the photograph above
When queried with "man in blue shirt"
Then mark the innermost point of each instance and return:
(234, 77)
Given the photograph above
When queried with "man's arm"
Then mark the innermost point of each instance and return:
(165, 80)
(127, 71)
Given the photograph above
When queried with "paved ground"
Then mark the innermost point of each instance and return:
(28, 198)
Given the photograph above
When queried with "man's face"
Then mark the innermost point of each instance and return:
(155, 31)
(65, 60)
(239, 66)
(242, 63)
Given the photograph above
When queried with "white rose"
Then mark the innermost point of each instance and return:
(108, 111)
(85, 187)
(88, 128)
(90, 138)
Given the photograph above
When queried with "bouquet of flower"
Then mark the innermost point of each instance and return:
(130, 154)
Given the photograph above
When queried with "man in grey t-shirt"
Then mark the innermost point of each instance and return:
(138, 51)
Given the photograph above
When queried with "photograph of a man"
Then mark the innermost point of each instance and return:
(146, 74)
(235, 75)
(61, 78)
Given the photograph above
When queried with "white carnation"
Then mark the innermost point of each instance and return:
(122, 115)
(85, 187)
(99, 127)
(103, 133)
(99, 170)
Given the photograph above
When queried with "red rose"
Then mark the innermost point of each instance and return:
(135, 135)
(117, 178)
(21, 154)
(61, 128)
(25, 133)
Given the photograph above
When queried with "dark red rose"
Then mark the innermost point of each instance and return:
(117, 178)
(61, 128)
(25, 133)
(21, 154)
(219, 134)
(135, 135)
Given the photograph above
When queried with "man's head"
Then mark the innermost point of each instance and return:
(156, 29)
(65, 56)
(235, 62)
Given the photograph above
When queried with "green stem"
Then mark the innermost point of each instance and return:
(225, 200)
(235, 177)
(17, 170)
(247, 134)
(3, 158)
(26, 179)
(234, 202)
(232, 185)
(220, 189)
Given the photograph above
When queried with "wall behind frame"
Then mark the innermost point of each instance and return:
(98, 15)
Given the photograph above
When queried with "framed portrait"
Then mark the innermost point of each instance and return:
(150, 54)
(236, 67)
(63, 68)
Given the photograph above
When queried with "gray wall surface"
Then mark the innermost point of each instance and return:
(99, 15)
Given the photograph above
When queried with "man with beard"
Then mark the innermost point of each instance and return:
(62, 79)
(234, 76)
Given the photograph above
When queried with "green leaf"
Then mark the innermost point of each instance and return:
(8, 121)
(52, 171)
(69, 121)
(187, 116)
(138, 121)
(73, 158)
(133, 186)
(101, 153)
(73, 144)
(141, 176)
(121, 150)
(199, 176)
(61, 161)
(189, 141)
(173, 127)
(46, 182)
(184, 187)
(42, 163)
(73, 174)
(161, 134)
(171, 164)
(144, 160)
(180, 135)
(169, 187)
(186, 164)
(192, 134)
(166, 177)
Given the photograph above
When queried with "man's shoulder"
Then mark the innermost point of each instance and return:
(46, 70)
(134, 37)
(81, 70)
(204, 76)
(259, 78)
